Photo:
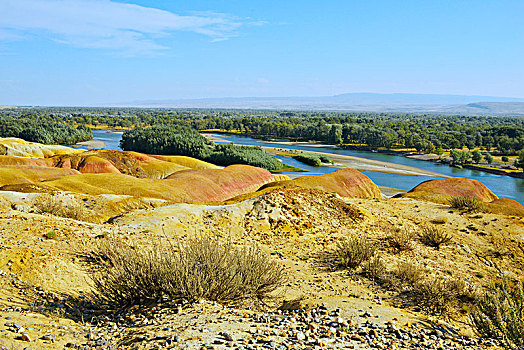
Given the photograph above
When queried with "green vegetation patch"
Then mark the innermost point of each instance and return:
(181, 140)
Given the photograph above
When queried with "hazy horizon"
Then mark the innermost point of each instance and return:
(100, 52)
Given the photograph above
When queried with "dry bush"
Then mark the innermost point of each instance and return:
(409, 273)
(401, 240)
(442, 294)
(499, 314)
(201, 268)
(54, 206)
(434, 236)
(375, 269)
(352, 252)
(466, 203)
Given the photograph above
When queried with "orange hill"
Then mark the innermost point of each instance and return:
(440, 190)
(345, 182)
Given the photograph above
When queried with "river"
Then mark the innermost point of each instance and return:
(502, 186)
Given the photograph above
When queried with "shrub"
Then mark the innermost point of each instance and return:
(324, 158)
(434, 236)
(54, 206)
(50, 235)
(409, 273)
(401, 240)
(499, 314)
(470, 204)
(201, 268)
(352, 252)
(440, 294)
(375, 268)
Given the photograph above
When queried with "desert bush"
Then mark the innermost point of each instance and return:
(401, 240)
(54, 206)
(499, 313)
(441, 294)
(375, 269)
(409, 273)
(50, 235)
(434, 236)
(470, 204)
(201, 268)
(352, 252)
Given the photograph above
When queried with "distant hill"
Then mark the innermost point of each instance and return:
(398, 102)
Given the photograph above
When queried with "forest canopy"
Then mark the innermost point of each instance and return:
(181, 140)
(43, 130)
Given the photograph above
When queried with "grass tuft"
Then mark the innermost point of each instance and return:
(434, 236)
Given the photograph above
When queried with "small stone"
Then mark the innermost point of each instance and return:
(227, 336)
(70, 345)
(300, 336)
(25, 337)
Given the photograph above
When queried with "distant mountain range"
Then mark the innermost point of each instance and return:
(398, 102)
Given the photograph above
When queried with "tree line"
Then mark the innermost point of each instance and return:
(429, 133)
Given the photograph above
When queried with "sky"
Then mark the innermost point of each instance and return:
(99, 52)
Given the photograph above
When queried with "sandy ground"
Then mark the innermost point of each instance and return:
(92, 144)
(32, 266)
(358, 163)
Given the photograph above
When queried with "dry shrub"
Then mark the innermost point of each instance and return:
(466, 203)
(375, 269)
(499, 314)
(54, 206)
(352, 252)
(401, 240)
(434, 236)
(409, 273)
(441, 294)
(200, 268)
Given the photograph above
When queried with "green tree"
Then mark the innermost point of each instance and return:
(505, 159)
(476, 156)
(489, 158)
(335, 134)
(455, 155)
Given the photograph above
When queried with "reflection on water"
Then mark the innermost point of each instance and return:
(502, 186)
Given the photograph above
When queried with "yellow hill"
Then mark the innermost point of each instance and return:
(22, 148)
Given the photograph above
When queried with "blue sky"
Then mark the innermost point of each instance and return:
(93, 52)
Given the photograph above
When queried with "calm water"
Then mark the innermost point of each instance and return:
(110, 138)
(502, 186)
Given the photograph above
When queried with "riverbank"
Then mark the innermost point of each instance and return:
(91, 144)
(345, 161)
